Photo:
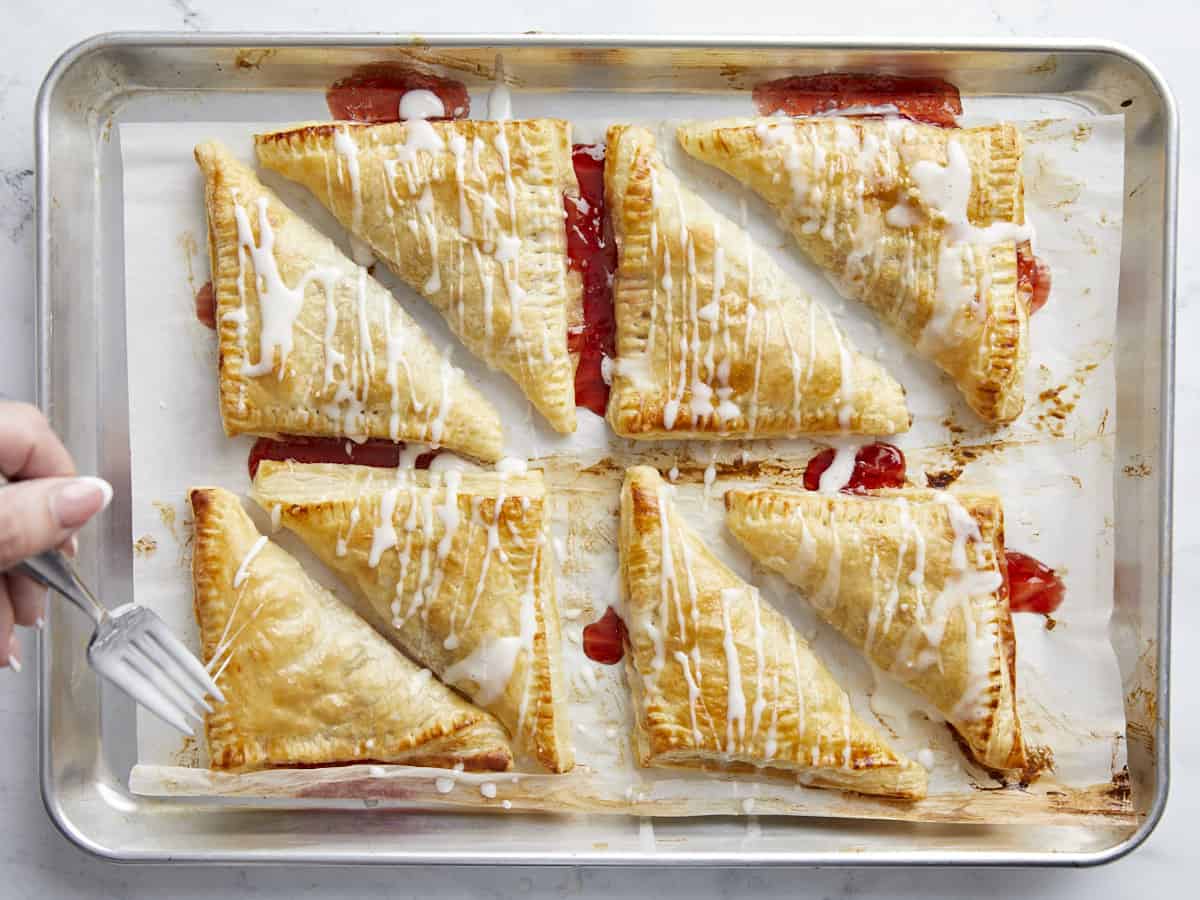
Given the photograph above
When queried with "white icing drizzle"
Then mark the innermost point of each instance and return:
(384, 535)
(965, 528)
(450, 378)
(427, 211)
(840, 471)
(492, 664)
(917, 576)
(333, 357)
(735, 706)
(458, 146)
(693, 594)
(959, 592)
(666, 578)
(394, 345)
(805, 198)
(449, 513)
(427, 582)
(710, 474)
(512, 466)
(760, 700)
(340, 549)
(347, 150)
(904, 215)
(945, 192)
(421, 104)
(223, 652)
(244, 569)
(508, 246)
(278, 304)
(418, 135)
(500, 103)
(693, 693)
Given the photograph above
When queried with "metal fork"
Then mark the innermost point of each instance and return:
(133, 648)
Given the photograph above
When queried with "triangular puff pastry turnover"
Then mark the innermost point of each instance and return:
(470, 214)
(307, 682)
(459, 567)
(713, 339)
(914, 578)
(920, 223)
(722, 680)
(310, 344)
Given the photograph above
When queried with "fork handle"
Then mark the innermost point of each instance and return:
(54, 570)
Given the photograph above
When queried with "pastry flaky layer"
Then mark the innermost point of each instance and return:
(713, 339)
(920, 223)
(459, 567)
(310, 344)
(470, 214)
(721, 679)
(914, 579)
(307, 682)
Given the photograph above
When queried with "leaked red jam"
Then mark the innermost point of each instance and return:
(604, 640)
(1033, 277)
(876, 466)
(372, 93)
(593, 254)
(1032, 585)
(928, 100)
(374, 452)
(206, 305)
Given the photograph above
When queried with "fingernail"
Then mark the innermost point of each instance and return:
(14, 655)
(76, 501)
(71, 546)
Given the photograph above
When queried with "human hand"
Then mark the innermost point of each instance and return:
(42, 507)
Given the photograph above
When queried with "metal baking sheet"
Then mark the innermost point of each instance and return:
(1053, 468)
(87, 757)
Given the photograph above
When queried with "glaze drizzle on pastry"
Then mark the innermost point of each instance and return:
(310, 344)
(713, 339)
(470, 214)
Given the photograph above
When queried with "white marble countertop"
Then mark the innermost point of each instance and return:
(36, 862)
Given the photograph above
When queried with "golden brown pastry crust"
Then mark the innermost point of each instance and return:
(482, 239)
(466, 591)
(720, 679)
(899, 593)
(761, 358)
(357, 365)
(307, 682)
(850, 192)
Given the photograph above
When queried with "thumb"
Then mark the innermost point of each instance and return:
(41, 513)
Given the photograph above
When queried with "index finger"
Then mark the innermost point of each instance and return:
(29, 448)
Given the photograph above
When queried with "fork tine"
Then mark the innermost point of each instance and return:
(187, 660)
(147, 643)
(127, 678)
(150, 670)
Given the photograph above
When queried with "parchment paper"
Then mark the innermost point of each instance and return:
(1053, 467)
